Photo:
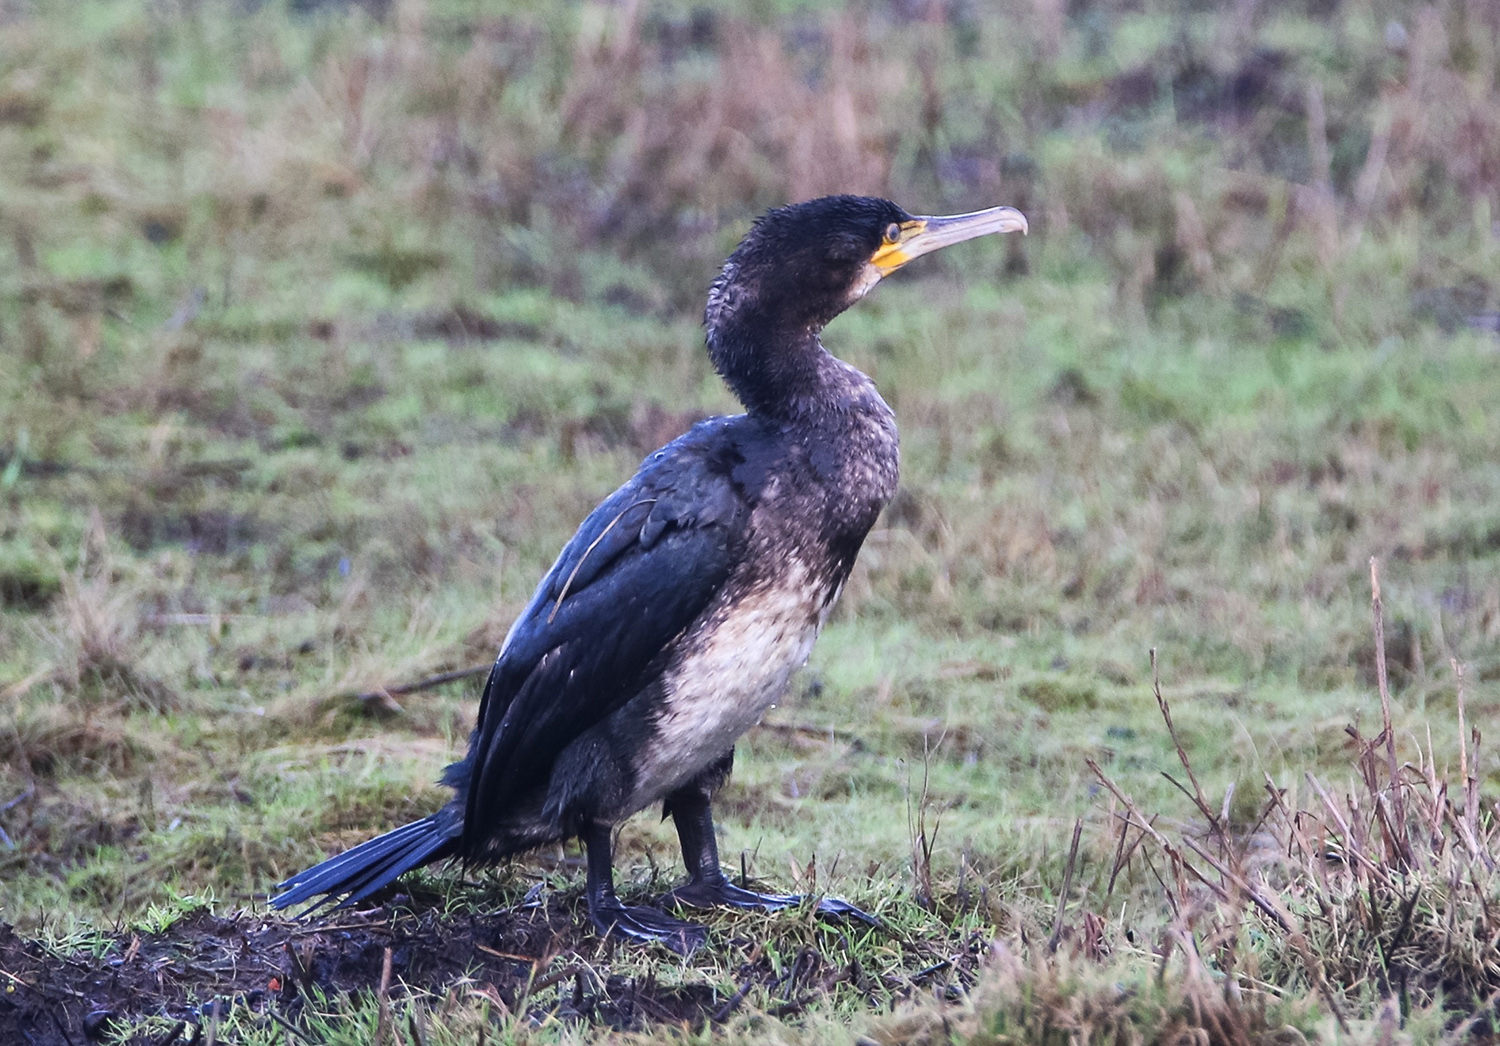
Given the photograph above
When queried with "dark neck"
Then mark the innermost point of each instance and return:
(784, 376)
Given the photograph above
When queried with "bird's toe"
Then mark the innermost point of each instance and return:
(705, 893)
(834, 908)
(724, 894)
(649, 926)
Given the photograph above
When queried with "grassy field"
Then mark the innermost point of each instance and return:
(322, 325)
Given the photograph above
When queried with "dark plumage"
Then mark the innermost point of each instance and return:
(680, 609)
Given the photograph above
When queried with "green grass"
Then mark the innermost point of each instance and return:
(320, 332)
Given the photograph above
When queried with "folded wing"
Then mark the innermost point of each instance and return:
(641, 568)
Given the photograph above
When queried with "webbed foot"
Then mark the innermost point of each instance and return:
(714, 893)
(647, 925)
(704, 893)
(835, 908)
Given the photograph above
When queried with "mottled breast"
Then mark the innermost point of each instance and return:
(733, 666)
(817, 490)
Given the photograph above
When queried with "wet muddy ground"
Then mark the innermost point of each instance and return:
(265, 967)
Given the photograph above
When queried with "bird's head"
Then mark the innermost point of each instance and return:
(802, 265)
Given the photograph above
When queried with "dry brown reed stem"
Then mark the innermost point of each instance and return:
(1398, 802)
(1299, 837)
(1122, 855)
(1196, 795)
(1353, 847)
(1468, 823)
(1272, 910)
(1463, 745)
(1228, 869)
(1382, 929)
(1067, 886)
(922, 843)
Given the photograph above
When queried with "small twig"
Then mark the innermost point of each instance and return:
(552, 978)
(653, 1010)
(734, 1003)
(288, 1025)
(1463, 739)
(383, 1001)
(1266, 904)
(1062, 900)
(16, 980)
(916, 828)
(1314, 858)
(1123, 860)
(1317, 138)
(1165, 890)
(213, 1023)
(512, 956)
(1284, 919)
(1367, 185)
(418, 1037)
(24, 984)
(1162, 841)
(304, 931)
(384, 693)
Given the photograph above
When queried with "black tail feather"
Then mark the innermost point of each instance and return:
(355, 874)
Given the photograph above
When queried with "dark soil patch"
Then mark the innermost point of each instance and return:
(266, 966)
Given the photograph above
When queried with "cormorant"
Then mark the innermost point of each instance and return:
(679, 611)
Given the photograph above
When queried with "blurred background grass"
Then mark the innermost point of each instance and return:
(322, 324)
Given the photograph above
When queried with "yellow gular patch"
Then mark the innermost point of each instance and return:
(892, 254)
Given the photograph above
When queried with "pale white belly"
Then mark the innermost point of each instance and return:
(729, 678)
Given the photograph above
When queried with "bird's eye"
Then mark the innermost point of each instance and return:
(892, 233)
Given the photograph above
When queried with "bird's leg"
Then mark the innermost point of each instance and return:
(629, 922)
(707, 886)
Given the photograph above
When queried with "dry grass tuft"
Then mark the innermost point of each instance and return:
(1074, 1001)
(44, 739)
(1380, 895)
(1367, 914)
(767, 127)
(98, 631)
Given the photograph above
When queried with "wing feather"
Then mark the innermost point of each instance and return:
(641, 568)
